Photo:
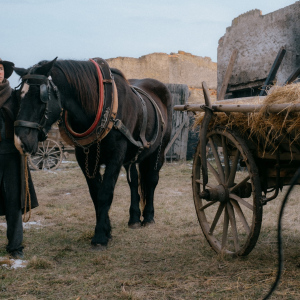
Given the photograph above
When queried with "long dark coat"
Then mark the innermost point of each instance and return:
(10, 174)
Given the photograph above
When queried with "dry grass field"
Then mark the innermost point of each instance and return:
(169, 260)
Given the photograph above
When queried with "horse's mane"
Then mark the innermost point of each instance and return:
(120, 73)
(82, 77)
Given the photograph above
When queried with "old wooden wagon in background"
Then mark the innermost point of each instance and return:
(237, 169)
(51, 152)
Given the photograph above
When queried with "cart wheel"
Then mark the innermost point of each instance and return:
(230, 209)
(49, 156)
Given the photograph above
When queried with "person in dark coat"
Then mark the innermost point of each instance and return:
(10, 166)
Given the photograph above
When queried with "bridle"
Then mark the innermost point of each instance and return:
(46, 87)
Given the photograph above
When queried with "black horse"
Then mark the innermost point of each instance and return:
(130, 127)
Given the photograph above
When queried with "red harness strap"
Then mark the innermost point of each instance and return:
(99, 111)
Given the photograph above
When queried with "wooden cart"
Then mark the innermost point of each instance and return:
(51, 152)
(232, 178)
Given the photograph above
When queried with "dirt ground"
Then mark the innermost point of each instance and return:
(169, 260)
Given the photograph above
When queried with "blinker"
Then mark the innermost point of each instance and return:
(44, 93)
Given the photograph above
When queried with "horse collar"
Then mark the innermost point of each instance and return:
(100, 128)
(99, 111)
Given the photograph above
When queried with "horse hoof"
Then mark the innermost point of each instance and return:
(148, 223)
(135, 225)
(98, 247)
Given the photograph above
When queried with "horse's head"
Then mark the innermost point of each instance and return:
(40, 106)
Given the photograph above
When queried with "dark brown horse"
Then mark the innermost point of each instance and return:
(69, 91)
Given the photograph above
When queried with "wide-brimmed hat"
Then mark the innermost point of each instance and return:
(8, 67)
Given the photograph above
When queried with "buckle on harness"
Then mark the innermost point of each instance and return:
(117, 124)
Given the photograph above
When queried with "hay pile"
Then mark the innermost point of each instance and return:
(265, 129)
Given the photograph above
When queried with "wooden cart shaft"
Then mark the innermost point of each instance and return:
(243, 108)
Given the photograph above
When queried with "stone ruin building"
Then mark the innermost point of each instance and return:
(175, 68)
(258, 39)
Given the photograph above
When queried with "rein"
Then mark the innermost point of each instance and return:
(25, 188)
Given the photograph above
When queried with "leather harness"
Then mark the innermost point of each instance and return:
(107, 123)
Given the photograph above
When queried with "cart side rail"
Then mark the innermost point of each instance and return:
(243, 108)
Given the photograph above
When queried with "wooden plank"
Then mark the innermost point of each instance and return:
(283, 156)
(184, 122)
(273, 71)
(206, 94)
(293, 76)
(180, 94)
(246, 85)
(288, 172)
(244, 99)
(227, 75)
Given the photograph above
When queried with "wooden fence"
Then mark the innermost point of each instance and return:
(177, 148)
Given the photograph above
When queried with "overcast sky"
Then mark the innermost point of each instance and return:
(34, 30)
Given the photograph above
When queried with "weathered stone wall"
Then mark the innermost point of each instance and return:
(176, 68)
(258, 38)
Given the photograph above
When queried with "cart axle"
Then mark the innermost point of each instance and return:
(219, 193)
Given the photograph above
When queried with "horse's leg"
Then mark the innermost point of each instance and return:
(134, 210)
(102, 192)
(94, 184)
(149, 176)
(104, 200)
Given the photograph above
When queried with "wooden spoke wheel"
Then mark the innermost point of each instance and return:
(229, 210)
(48, 157)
